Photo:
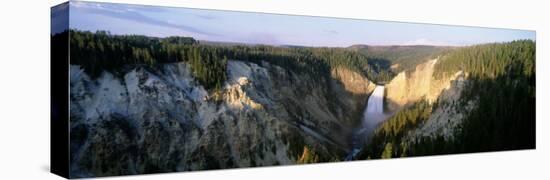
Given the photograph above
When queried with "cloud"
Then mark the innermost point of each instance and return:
(424, 41)
(132, 14)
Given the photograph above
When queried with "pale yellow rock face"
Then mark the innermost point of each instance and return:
(420, 83)
(235, 97)
(396, 92)
(408, 87)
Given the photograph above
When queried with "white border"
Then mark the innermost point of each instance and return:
(24, 96)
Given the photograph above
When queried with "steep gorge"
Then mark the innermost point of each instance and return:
(146, 120)
(408, 89)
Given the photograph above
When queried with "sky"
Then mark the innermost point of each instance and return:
(272, 29)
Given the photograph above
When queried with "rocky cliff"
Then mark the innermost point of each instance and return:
(159, 119)
(413, 85)
(448, 113)
(357, 87)
(420, 83)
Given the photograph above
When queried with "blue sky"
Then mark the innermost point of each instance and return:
(259, 28)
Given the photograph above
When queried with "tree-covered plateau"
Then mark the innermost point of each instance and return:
(101, 51)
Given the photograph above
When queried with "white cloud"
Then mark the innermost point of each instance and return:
(424, 41)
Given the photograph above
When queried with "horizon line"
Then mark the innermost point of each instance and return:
(295, 45)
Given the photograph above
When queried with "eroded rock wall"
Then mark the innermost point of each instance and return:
(147, 120)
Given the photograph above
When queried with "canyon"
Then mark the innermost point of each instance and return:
(163, 121)
(264, 115)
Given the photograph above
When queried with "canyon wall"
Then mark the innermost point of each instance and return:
(413, 85)
(420, 83)
(159, 119)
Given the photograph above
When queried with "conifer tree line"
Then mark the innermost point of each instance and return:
(502, 82)
(387, 140)
(404, 57)
(101, 51)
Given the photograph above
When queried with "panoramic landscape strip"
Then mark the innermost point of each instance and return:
(164, 89)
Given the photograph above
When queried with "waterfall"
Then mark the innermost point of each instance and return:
(374, 112)
(372, 116)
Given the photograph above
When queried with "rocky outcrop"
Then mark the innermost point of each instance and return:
(420, 83)
(357, 87)
(352, 81)
(410, 86)
(448, 112)
(147, 120)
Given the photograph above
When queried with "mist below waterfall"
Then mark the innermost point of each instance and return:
(372, 117)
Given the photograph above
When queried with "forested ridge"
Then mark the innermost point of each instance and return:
(400, 57)
(101, 51)
(501, 82)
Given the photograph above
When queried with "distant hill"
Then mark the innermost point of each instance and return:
(399, 58)
(229, 44)
(223, 44)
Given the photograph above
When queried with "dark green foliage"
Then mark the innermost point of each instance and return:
(391, 132)
(503, 83)
(207, 67)
(179, 40)
(341, 57)
(515, 59)
(102, 51)
(406, 56)
(406, 119)
(438, 145)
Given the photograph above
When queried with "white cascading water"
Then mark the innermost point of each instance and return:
(372, 116)
(374, 113)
